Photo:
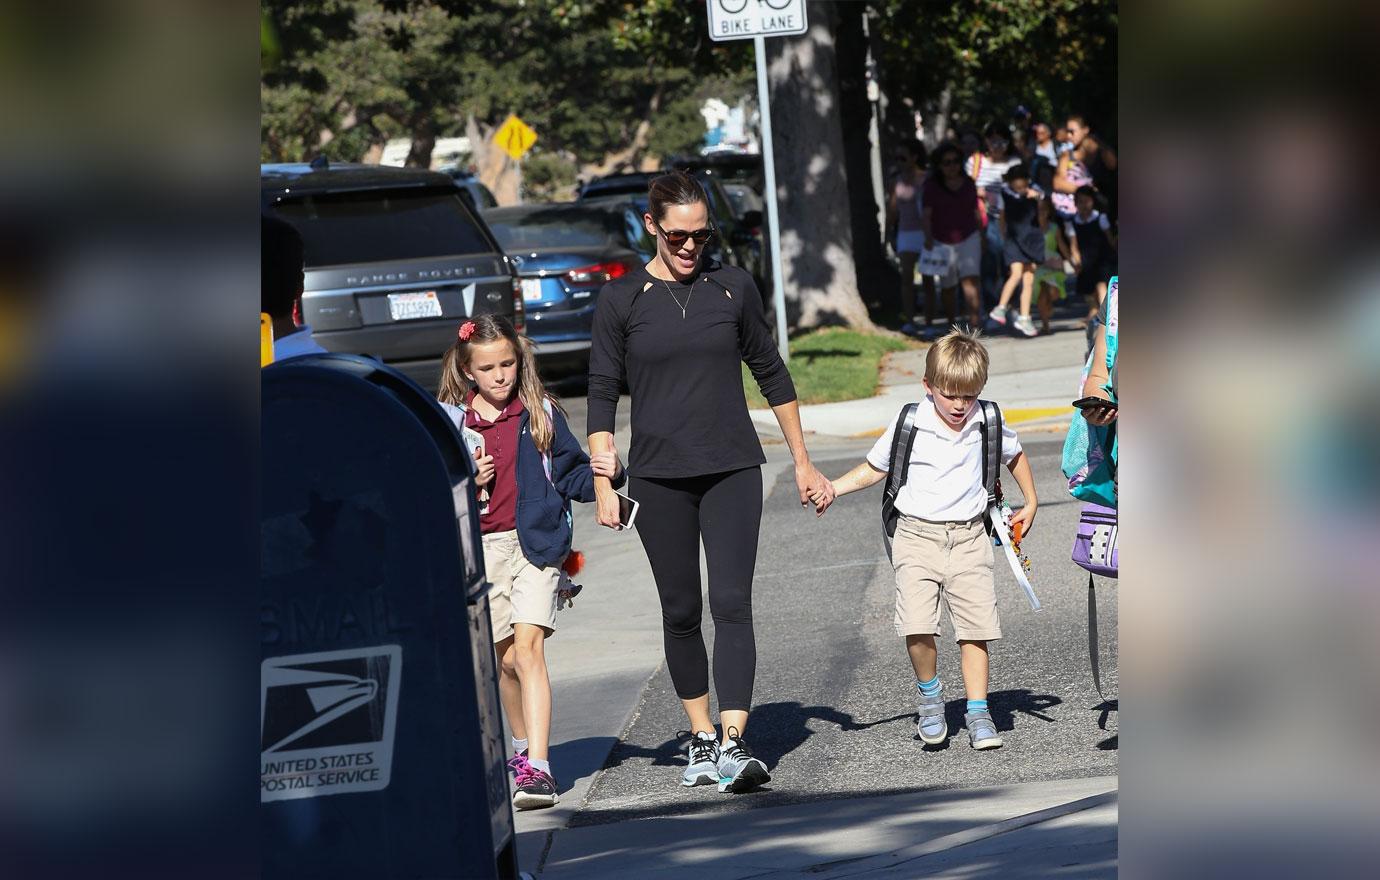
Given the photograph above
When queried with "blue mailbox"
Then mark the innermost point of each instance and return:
(382, 750)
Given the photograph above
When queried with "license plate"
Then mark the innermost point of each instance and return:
(531, 289)
(409, 306)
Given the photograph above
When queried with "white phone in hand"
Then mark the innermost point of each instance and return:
(627, 510)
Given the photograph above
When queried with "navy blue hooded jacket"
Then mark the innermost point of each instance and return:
(543, 521)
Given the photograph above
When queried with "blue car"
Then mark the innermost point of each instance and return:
(564, 253)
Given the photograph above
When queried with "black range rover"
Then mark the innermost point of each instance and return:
(395, 260)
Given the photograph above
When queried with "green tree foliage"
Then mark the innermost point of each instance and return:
(349, 74)
(1054, 56)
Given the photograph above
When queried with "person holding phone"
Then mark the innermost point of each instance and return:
(1100, 383)
(676, 331)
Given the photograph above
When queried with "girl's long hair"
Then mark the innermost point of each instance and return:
(454, 387)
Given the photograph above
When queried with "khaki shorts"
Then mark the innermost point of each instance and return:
(952, 561)
(522, 593)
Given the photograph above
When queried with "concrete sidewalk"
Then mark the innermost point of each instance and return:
(1037, 829)
(1034, 380)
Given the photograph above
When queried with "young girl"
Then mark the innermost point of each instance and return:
(1024, 219)
(531, 467)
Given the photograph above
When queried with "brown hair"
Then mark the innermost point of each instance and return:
(455, 387)
(673, 188)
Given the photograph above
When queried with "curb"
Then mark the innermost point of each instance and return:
(890, 861)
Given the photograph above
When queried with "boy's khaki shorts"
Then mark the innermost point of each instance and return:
(952, 561)
(522, 593)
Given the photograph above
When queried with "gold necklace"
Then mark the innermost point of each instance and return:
(673, 296)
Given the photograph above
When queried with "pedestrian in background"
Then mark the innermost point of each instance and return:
(1042, 155)
(1024, 218)
(676, 331)
(282, 257)
(952, 219)
(987, 169)
(904, 214)
(1091, 241)
(489, 385)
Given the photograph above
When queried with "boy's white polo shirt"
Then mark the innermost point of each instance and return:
(944, 482)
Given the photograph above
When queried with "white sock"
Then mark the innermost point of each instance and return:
(543, 766)
(519, 745)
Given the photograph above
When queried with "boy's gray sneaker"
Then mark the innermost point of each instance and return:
(739, 771)
(932, 727)
(982, 730)
(703, 755)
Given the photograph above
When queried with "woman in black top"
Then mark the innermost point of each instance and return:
(675, 331)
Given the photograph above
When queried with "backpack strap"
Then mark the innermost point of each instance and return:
(991, 450)
(546, 456)
(1093, 651)
(902, 441)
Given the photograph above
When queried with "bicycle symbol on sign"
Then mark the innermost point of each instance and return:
(733, 7)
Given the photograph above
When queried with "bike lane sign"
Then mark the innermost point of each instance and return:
(745, 19)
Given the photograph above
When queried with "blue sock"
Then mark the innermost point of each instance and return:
(928, 688)
(977, 705)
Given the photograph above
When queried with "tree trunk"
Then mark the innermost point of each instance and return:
(493, 167)
(423, 142)
(628, 156)
(812, 190)
(877, 280)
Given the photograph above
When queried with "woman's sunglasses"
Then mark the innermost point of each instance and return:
(677, 238)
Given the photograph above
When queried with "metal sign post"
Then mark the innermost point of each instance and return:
(758, 19)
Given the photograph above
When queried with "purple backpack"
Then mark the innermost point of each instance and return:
(1094, 547)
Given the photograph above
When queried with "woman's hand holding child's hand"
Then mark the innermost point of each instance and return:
(823, 496)
(485, 463)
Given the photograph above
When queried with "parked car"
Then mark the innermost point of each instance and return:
(395, 260)
(727, 166)
(736, 245)
(564, 253)
(479, 196)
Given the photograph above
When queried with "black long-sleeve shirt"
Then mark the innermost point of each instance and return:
(689, 415)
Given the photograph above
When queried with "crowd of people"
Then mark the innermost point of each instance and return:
(1011, 215)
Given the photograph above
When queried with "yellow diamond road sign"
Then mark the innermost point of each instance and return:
(515, 137)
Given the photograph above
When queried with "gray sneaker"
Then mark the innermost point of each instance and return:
(1025, 326)
(982, 730)
(703, 757)
(932, 727)
(739, 771)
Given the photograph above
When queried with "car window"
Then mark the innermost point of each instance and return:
(547, 229)
(378, 226)
(638, 239)
(482, 195)
(615, 188)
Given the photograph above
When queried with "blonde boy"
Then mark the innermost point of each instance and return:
(941, 549)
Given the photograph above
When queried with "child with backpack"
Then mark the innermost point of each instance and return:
(947, 449)
(531, 467)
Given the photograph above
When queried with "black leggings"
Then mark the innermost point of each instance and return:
(726, 509)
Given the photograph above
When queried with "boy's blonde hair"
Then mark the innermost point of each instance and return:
(957, 363)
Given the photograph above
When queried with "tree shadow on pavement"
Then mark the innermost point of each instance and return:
(578, 758)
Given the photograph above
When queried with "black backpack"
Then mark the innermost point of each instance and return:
(904, 439)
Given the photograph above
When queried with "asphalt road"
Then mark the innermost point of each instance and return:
(835, 695)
